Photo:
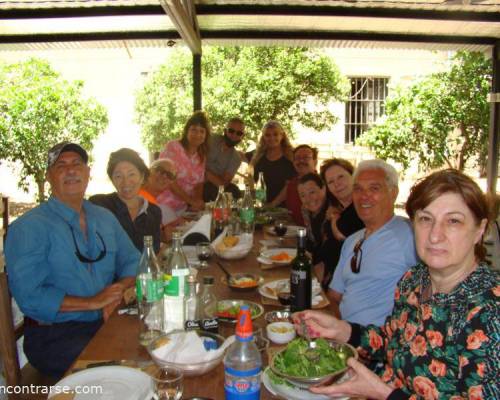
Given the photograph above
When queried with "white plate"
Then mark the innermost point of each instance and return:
(117, 383)
(272, 252)
(269, 289)
(291, 230)
(292, 392)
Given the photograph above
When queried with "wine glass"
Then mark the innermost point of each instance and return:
(280, 229)
(167, 383)
(203, 251)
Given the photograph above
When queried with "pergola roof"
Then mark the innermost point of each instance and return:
(430, 24)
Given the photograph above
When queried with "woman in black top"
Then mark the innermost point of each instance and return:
(137, 216)
(344, 220)
(273, 157)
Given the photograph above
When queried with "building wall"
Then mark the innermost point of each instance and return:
(113, 76)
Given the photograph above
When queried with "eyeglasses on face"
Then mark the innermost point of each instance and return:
(84, 259)
(234, 131)
(167, 174)
(357, 256)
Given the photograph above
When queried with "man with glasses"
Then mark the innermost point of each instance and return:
(69, 263)
(373, 259)
(223, 160)
(305, 160)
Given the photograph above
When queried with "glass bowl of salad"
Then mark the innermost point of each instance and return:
(292, 364)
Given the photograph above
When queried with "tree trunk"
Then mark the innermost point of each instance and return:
(41, 190)
(464, 149)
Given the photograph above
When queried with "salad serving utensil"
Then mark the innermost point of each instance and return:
(311, 354)
(228, 275)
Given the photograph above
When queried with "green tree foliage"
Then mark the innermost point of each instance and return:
(255, 83)
(442, 120)
(39, 109)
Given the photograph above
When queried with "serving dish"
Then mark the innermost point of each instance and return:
(272, 288)
(278, 316)
(344, 349)
(280, 255)
(280, 332)
(227, 310)
(188, 369)
(243, 281)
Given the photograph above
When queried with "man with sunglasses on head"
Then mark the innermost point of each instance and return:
(162, 174)
(373, 259)
(223, 160)
(68, 263)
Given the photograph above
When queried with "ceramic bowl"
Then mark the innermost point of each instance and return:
(280, 332)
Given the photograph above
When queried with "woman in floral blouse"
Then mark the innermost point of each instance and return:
(189, 157)
(442, 340)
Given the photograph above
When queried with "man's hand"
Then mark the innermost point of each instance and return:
(110, 294)
(108, 310)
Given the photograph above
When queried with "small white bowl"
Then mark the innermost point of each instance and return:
(280, 332)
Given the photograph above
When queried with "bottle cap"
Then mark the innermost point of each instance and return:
(208, 280)
(244, 325)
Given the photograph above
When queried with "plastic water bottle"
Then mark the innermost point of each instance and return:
(242, 362)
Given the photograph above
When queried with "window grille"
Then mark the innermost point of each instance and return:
(365, 105)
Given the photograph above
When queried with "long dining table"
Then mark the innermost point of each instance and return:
(118, 337)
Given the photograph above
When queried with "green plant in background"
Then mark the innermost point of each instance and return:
(39, 109)
(255, 83)
(442, 120)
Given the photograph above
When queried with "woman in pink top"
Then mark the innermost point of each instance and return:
(189, 157)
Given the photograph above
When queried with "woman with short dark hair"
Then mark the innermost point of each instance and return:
(344, 220)
(189, 155)
(137, 216)
(441, 341)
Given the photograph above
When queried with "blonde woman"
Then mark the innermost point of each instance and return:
(273, 158)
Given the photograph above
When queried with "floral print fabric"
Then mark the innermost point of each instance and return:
(443, 347)
(190, 172)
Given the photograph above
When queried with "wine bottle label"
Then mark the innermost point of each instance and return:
(220, 214)
(260, 194)
(153, 292)
(300, 290)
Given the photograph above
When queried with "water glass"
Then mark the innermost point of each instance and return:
(167, 383)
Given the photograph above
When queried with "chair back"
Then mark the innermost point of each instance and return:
(8, 337)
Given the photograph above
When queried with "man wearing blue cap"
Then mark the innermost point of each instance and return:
(68, 264)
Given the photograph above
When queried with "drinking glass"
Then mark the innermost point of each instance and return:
(280, 229)
(203, 251)
(167, 383)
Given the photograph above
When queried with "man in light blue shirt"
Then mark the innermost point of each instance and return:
(373, 259)
(68, 264)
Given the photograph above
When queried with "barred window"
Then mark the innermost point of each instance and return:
(365, 105)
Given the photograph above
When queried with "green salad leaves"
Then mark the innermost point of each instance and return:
(293, 362)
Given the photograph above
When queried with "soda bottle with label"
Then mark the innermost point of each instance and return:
(176, 270)
(247, 212)
(220, 213)
(260, 190)
(242, 362)
(149, 290)
(300, 276)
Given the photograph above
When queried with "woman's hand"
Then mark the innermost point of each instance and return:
(197, 204)
(363, 383)
(322, 325)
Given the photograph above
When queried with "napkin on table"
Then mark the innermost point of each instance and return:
(200, 231)
(187, 347)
